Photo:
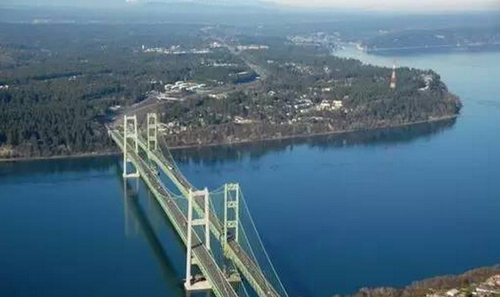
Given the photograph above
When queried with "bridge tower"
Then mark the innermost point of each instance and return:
(152, 138)
(205, 222)
(231, 204)
(152, 131)
(129, 132)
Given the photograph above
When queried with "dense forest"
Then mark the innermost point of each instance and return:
(57, 82)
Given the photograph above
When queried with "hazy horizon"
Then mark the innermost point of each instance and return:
(405, 5)
(370, 5)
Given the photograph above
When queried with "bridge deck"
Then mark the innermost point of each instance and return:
(248, 267)
(207, 264)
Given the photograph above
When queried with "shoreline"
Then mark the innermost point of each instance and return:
(74, 156)
(439, 286)
(242, 142)
(302, 136)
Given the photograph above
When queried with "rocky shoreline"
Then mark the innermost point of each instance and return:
(481, 282)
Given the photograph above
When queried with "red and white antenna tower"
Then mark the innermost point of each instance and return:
(393, 77)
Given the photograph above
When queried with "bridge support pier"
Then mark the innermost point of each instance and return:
(205, 222)
(129, 132)
(231, 203)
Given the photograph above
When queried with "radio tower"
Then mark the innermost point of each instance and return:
(393, 77)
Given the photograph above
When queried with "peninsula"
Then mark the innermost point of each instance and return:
(60, 84)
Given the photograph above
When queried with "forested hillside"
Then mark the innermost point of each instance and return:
(61, 83)
(57, 82)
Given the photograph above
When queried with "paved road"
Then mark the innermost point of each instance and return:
(245, 263)
(209, 267)
(248, 267)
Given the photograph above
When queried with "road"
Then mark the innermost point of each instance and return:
(208, 266)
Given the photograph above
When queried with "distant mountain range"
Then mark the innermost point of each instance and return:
(151, 11)
(135, 3)
(226, 3)
(203, 6)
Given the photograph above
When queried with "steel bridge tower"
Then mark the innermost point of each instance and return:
(136, 152)
(152, 138)
(129, 132)
(205, 222)
(152, 120)
(231, 204)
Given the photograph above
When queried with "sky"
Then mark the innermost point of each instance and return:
(420, 5)
(378, 5)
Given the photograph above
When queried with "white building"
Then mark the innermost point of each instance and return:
(452, 293)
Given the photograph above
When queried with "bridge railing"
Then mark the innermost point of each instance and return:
(177, 217)
(250, 240)
(249, 254)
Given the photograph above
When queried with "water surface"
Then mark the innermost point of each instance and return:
(336, 213)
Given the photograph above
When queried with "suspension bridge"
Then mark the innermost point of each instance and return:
(224, 252)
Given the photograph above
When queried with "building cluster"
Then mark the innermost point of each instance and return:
(300, 68)
(241, 121)
(329, 105)
(305, 106)
(163, 96)
(175, 50)
(428, 79)
(253, 47)
(175, 92)
(181, 86)
(242, 73)
(360, 47)
(318, 39)
(218, 65)
(173, 127)
(115, 108)
(303, 103)
(216, 44)
(488, 288)
(218, 96)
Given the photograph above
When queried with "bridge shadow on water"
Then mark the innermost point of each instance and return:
(151, 223)
(378, 137)
(164, 242)
(148, 222)
(139, 216)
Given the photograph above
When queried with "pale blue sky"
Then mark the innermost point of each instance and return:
(420, 5)
(379, 5)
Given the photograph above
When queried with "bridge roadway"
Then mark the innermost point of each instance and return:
(207, 264)
(247, 266)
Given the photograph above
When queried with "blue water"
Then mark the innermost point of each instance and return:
(336, 213)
